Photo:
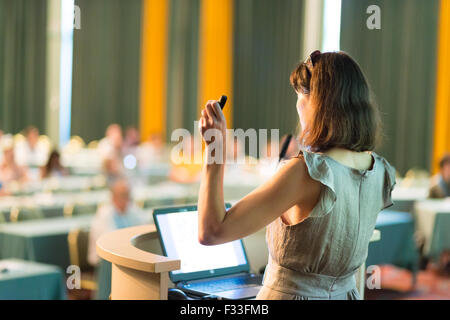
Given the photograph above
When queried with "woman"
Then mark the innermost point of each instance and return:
(320, 208)
(53, 167)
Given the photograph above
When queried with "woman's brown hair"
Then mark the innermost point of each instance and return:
(343, 115)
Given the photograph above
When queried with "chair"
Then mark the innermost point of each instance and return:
(23, 214)
(68, 210)
(140, 204)
(74, 145)
(18, 138)
(77, 140)
(52, 211)
(93, 144)
(82, 209)
(78, 241)
(45, 140)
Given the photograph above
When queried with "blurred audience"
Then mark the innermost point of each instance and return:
(32, 151)
(440, 184)
(235, 149)
(111, 145)
(4, 139)
(131, 141)
(3, 191)
(53, 168)
(112, 169)
(150, 151)
(119, 213)
(9, 169)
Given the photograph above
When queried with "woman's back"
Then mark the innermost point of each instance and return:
(333, 240)
(320, 210)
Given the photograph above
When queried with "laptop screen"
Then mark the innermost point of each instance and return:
(178, 231)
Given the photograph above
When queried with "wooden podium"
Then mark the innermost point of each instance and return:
(136, 274)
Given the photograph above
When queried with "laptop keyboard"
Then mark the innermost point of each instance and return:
(225, 284)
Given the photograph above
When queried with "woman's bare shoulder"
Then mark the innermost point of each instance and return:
(297, 170)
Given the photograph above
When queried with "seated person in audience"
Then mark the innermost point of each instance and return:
(111, 145)
(9, 170)
(53, 168)
(31, 152)
(131, 141)
(120, 213)
(440, 185)
(2, 139)
(3, 191)
(112, 169)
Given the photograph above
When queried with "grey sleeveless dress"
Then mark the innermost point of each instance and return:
(318, 258)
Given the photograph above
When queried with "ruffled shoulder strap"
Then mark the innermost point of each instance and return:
(319, 170)
(389, 183)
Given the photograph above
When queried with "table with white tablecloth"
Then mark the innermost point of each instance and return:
(404, 198)
(433, 225)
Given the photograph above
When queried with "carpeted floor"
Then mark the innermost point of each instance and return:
(396, 284)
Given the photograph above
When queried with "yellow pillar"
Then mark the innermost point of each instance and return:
(153, 67)
(215, 53)
(442, 115)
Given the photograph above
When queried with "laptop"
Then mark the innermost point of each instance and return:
(220, 271)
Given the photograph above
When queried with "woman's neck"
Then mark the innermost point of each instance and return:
(358, 160)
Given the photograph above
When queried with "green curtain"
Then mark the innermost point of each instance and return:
(267, 47)
(182, 65)
(400, 63)
(106, 65)
(23, 33)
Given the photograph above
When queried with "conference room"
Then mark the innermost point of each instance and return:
(224, 150)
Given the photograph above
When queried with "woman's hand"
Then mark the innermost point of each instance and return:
(211, 207)
(213, 119)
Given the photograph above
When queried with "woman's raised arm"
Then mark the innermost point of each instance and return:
(290, 186)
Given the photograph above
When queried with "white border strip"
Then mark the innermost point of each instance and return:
(331, 25)
(65, 98)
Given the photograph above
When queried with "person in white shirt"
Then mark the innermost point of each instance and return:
(32, 152)
(111, 145)
(440, 183)
(131, 141)
(10, 171)
(120, 213)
